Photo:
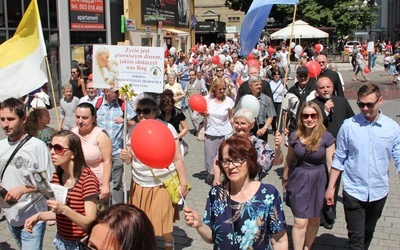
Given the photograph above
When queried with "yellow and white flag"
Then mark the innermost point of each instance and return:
(22, 57)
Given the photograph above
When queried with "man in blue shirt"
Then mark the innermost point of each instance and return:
(365, 144)
(110, 117)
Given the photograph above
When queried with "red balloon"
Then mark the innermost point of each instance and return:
(153, 143)
(317, 47)
(194, 61)
(254, 63)
(215, 60)
(314, 69)
(198, 103)
(366, 70)
(270, 50)
(260, 48)
(347, 50)
(194, 49)
(250, 56)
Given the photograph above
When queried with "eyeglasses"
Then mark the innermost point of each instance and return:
(58, 149)
(277, 74)
(313, 116)
(72, 72)
(145, 111)
(369, 105)
(220, 70)
(322, 62)
(303, 75)
(236, 162)
(85, 242)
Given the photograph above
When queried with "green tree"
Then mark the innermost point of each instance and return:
(319, 13)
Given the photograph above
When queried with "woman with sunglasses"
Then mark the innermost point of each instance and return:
(217, 123)
(78, 211)
(242, 213)
(173, 116)
(278, 91)
(147, 192)
(96, 145)
(77, 82)
(307, 163)
(243, 122)
(122, 227)
(230, 88)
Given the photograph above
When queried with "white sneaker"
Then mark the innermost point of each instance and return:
(289, 78)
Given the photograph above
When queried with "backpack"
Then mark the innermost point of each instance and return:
(121, 103)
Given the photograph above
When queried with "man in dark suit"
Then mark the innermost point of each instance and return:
(335, 109)
(245, 88)
(334, 76)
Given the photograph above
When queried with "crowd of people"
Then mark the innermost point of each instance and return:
(85, 155)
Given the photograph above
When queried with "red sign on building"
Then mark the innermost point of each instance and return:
(86, 14)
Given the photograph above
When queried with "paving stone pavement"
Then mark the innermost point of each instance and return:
(387, 235)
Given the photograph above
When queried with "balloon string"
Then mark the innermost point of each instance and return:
(179, 190)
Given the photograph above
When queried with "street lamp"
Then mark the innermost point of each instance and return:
(356, 9)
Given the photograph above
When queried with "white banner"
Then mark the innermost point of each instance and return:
(140, 67)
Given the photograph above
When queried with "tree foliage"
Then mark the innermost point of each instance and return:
(320, 13)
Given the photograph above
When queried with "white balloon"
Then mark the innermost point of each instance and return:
(212, 45)
(172, 50)
(201, 48)
(251, 102)
(322, 47)
(292, 45)
(298, 49)
(222, 59)
(297, 56)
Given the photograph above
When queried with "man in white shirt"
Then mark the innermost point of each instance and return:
(91, 96)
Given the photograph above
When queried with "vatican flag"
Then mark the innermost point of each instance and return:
(22, 57)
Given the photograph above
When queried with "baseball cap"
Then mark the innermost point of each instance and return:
(302, 70)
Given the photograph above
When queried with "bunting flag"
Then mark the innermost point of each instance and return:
(22, 57)
(194, 22)
(255, 21)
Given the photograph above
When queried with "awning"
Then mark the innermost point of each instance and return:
(176, 32)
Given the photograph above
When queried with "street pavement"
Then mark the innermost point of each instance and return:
(387, 234)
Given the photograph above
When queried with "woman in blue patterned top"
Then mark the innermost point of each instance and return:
(241, 213)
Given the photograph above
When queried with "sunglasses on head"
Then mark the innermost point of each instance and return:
(58, 149)
(145, 111)
(313, 116)
(369, 105)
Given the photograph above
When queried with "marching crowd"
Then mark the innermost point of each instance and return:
(245, 98)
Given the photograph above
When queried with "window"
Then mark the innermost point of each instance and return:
(147, 41)
(14, 12)
(234, 19)
(2, 22)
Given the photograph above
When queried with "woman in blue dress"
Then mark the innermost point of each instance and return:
(241, 213)
(308, 160)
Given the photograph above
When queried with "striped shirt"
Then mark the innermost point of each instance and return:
(85, 188)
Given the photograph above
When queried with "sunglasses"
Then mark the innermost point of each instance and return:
(220, 70)
(313, 116)
(277, 74)
(145, 111)
(369, 105)
(58, 149)
(303, 75)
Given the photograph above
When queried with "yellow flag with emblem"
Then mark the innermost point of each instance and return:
(22, 57)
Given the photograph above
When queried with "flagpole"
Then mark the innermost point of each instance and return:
(52, 89)
(277, 147)
(124, 146)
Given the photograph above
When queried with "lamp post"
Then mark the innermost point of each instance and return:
(355, 9)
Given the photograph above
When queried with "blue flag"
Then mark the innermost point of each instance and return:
(254, 23)
(194, 22)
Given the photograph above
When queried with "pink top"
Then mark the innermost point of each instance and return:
(91, 150)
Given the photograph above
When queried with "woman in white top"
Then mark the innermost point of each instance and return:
(218, 123)
(278, 91)
(147, 192)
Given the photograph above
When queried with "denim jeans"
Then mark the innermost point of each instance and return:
(29, 241)
(183, 84)
(62, 244)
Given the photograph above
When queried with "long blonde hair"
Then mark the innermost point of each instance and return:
(313, 141)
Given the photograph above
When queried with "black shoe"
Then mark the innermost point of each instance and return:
(328, 226)
(210, 179)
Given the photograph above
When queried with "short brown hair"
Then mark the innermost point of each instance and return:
(240, 147)
(368, 89)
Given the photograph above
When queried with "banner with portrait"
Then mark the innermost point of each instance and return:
(142, 68)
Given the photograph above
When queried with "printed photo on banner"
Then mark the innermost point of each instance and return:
(139, 67)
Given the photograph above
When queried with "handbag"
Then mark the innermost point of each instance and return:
(172, 185)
